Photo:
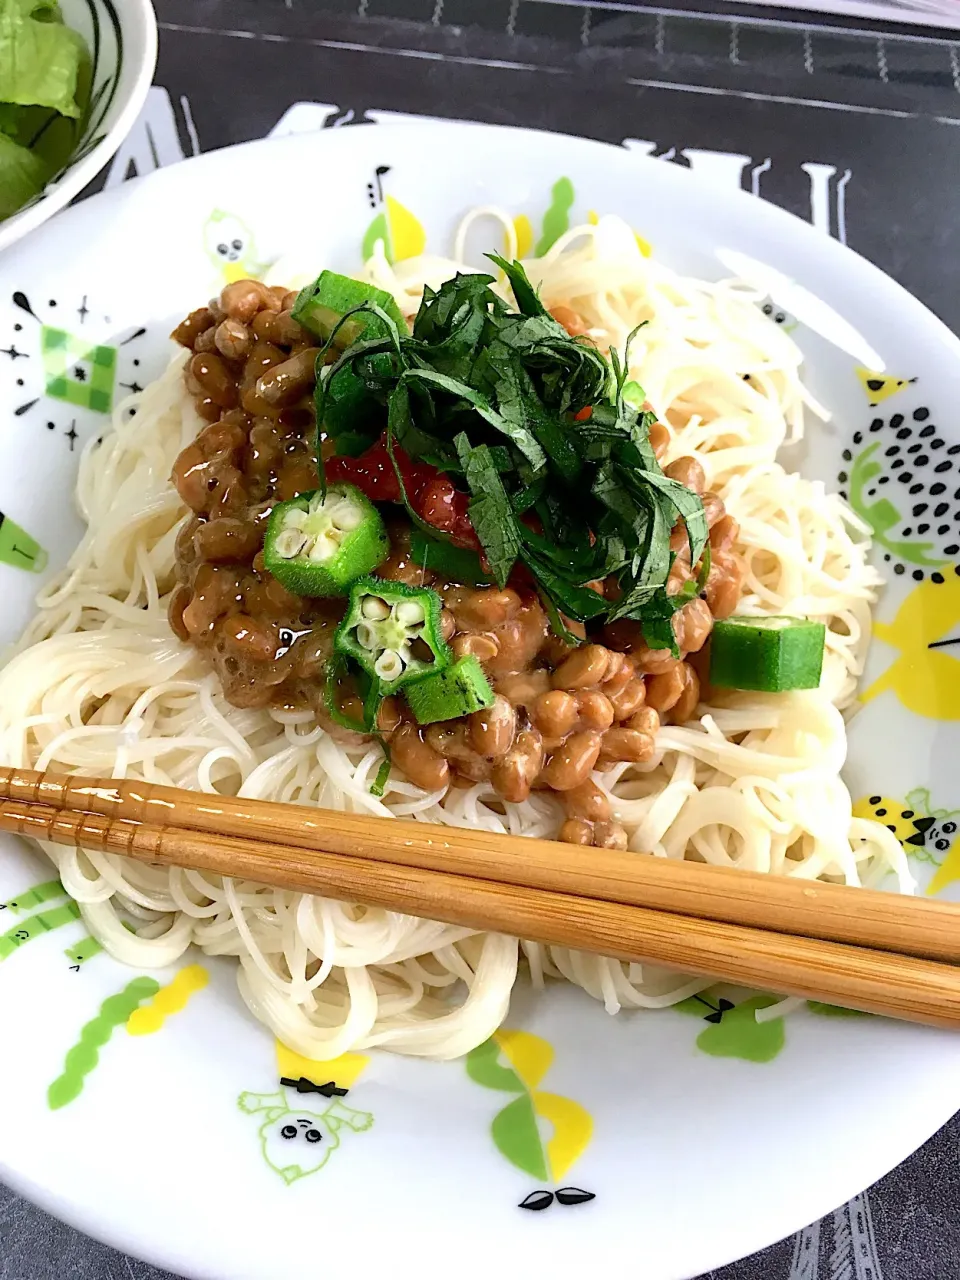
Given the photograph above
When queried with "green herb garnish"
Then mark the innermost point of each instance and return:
(491, 395)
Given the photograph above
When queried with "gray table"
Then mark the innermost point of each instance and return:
(875, 104)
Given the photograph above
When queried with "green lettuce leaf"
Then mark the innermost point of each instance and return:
(22, 175)
(49, 135)
(40, 58)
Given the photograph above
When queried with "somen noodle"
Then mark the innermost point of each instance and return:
(100, 685)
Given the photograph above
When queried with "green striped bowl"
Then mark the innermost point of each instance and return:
(122, 38)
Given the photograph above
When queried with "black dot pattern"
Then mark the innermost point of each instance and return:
(912, 452)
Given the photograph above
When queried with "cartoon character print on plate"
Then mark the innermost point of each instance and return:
(555, 223)
(43, 921)
(231, 247)
(173, 998)
(734, 1031)
(925, 635)
(902, 477)
(85, 950)
(142, 1007)
(35, 923)
(738, 1027)
(18, 548)
(780, 317)
(644, 245)
(401, 231)
(515, 1062)
(298, 1137)
(35, 896)
(926, 833)
(880, 386)
(84, 1056)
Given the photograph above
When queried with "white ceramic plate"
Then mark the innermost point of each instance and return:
(699, 1140)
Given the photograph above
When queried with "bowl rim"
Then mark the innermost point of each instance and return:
(77, 176)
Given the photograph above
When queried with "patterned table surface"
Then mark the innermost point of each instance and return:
(852, 126)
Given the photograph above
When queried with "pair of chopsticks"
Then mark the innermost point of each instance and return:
(877, 952)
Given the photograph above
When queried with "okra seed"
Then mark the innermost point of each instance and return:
(366, 636)
(389, 665)
(290, 542)
(346, 516)
(326, 546)
(375, 608)
(409, 613)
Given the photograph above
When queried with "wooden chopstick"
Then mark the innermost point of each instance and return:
(878, 982)
(836, 913)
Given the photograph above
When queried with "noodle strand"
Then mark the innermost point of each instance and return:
(99, 685)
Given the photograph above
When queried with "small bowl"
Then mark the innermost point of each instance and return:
(122, 37)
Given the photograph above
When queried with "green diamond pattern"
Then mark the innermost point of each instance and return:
(77, 373)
